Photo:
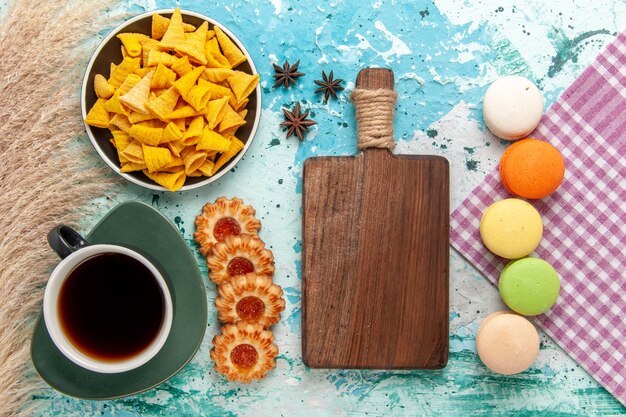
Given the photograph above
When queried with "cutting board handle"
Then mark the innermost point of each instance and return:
(374, 102)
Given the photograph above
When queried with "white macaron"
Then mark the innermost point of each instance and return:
(512, 107)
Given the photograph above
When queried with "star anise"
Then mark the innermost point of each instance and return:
(328, 86)
(297, 122)
(287, 74)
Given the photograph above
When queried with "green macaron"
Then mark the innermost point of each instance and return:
(529, 286)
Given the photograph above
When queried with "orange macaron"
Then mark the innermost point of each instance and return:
(532, 168)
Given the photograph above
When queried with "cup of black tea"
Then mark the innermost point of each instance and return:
(106, 307)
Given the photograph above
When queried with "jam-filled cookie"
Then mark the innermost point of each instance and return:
(239, 255)
(251, 298)
(244, 352)
(224, 218)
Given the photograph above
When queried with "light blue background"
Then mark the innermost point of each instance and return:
(443, 53)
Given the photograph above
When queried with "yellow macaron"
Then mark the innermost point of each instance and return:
(511, 228)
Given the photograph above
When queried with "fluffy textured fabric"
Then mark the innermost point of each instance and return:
(48, 170)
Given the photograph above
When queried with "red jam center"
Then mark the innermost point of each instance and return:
(244, 356)
(239, 266)
(250, 308)
(226, 226)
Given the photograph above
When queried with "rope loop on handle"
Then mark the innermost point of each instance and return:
(374, 114)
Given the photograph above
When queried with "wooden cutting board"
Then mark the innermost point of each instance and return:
(375, 257)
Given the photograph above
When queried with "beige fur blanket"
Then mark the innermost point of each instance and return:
(48, 170)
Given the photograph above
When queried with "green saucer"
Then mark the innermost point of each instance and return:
(145, 230)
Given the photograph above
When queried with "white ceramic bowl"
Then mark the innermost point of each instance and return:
(109, 51)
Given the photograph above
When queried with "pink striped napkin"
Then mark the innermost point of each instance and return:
(584, 221)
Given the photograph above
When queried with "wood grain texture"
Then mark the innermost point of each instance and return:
(375, 258)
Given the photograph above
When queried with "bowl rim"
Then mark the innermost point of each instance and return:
(113, 164)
